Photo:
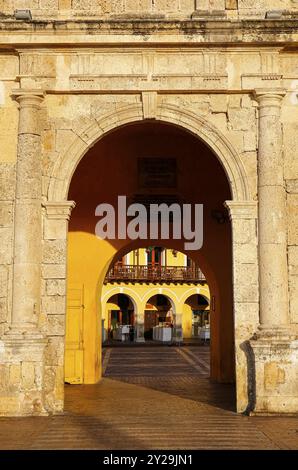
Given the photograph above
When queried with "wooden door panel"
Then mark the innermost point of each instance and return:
(74, 347)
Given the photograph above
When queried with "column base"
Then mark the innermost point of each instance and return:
(177, 333)
(274, 380)
(139, 333)
(177, 337)
(140, 340)
(275, 333)
(22, 374)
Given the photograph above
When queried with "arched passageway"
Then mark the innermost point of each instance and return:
(160, 281)
(151, 162)
(158, 310)
(118, 318)
(197, 316)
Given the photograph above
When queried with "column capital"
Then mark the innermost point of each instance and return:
(28, 98)
(269, 96)
(242, 209)
(59, 209)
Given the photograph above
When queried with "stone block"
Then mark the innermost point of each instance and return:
(55, 325)
(236, 138)
(53, 271)
(243, 119)
(6, 214)
(234, 101)
(5, 245)
(246, 274)
(55, 229)
(293, 260)
(246, 101)
(7, 181)
(219, 120)
(273, 375)
(10, 405)
(28, 375)
(54, 390)
(64, 139)
(249, 141)
(293, 297)
(54, 352)
(49, 378)
(244, 231)
(3, 309)
(53, 305)
(4, 378)
(14, 376)
(246, 253)
(3, 281)
(290, 132)
(218, 103)
(276, 379)
(54, 251)
(292, 186)
(56, 287)
(292, 204)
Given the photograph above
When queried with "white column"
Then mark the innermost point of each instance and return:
(177, 328)
(139, 328)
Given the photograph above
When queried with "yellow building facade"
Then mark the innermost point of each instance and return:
(148, 288)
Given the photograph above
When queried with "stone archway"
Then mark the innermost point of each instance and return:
(242, 210)
(109, 296)
(68, 160)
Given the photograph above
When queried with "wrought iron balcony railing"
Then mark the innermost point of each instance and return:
(154, 273)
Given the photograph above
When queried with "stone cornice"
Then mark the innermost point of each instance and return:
(48, 33)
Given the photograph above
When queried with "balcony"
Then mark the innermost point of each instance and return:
(128, 273)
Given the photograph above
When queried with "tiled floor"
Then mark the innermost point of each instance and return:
(151, 398)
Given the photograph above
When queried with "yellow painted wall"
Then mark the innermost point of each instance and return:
(187, 321)
(89, 259)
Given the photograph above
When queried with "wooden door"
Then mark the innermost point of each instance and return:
(74, 347)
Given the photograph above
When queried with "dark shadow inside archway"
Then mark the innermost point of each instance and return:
(152, 162)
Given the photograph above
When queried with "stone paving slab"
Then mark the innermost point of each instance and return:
(157, 410)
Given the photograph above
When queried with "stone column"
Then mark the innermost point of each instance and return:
(272, 228)
(27, 219)
(177, 328)
(243, 216)
(56, 215)
(274, 350)
(23, 345)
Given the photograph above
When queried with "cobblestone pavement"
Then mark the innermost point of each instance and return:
(151, 398)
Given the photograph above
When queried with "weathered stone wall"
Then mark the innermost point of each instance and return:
(290, 132)
(8, 151)
(168, 8)
(91, 90)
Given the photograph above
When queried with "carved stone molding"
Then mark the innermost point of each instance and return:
(149, 99)
(242, 209)
(271, 97)
(59, 210)
(28, 98)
